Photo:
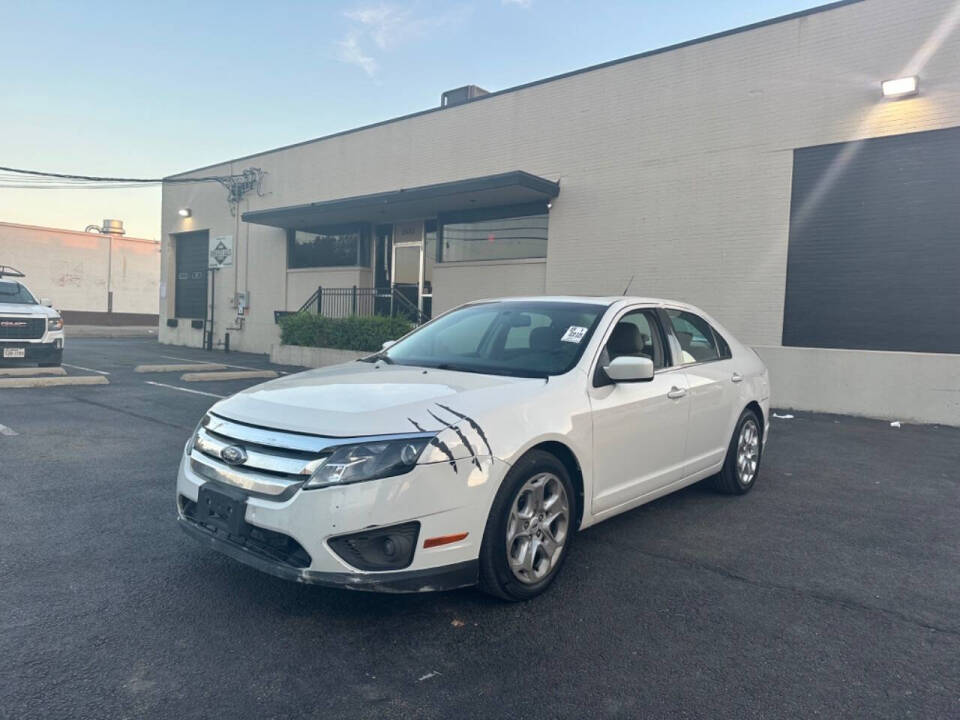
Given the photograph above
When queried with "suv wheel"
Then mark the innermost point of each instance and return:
(529, 530)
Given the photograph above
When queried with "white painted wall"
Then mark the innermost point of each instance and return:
(71, 268)
(674, 167)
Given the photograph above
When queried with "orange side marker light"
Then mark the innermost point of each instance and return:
(443, 540)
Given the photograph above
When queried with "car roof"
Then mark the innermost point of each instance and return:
(605, 300)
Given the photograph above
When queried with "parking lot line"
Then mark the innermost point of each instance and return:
(38, 382)
(4, 430)
(85, 369)
(229, 375)
(178, 368)
(186, 390)
(31, 371)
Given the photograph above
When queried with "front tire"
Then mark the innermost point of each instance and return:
(742, 464)
(530, 528)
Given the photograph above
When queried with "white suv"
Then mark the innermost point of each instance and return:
(473, 449)
(30, 331)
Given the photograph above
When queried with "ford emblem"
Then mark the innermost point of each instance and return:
(233, 455)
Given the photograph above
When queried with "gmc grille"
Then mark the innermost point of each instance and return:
(20, 328)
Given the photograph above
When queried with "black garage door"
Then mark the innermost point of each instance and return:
(874, 257)
(190, 298)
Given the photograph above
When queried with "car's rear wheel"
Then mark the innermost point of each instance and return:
(529, 529)
(742, 464)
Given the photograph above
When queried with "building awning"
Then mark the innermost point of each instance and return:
(427, 201)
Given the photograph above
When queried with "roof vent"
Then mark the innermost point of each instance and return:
(110, 227)
(460, 95)
(113, 227)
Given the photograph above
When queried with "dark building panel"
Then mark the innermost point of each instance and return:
(874, 255)
(190, 293)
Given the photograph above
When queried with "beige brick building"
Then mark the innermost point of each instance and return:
(759, 173)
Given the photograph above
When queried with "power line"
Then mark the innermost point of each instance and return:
(99, 179)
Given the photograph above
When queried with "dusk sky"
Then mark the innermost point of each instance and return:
(146, 90)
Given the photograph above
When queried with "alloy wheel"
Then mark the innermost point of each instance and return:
(748, 451)
(537, 528)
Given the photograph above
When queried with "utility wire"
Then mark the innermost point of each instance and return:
(93, 178)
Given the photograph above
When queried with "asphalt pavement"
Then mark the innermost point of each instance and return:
(832, 589)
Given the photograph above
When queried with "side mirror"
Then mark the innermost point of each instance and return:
(46, 301)
(630, 369)
(388, 344)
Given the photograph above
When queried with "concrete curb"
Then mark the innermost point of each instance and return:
(229, 375)
(107, 331)
(312, 357)
(179, 368)
(31, 371)
(37, 382)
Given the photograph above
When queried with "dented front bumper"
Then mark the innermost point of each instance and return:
(444, 502)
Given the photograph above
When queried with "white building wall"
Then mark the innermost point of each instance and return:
(675, 167)
(73, 268)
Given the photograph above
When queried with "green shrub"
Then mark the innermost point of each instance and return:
(349, 333)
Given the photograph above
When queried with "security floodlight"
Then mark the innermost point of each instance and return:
(900, 88)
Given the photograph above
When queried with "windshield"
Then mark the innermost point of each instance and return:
(14, 292)
(519, 338)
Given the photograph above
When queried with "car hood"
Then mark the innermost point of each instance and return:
(363, 398)
(24, 309)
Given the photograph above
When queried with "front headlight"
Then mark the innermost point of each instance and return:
(55, 323)
(366, 461)
(191, 443)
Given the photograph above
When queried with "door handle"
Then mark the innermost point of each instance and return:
(676, 393)
(736, 377)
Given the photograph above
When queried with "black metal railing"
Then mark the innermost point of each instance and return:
(365, 302)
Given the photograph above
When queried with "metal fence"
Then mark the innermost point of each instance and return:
(364, 302)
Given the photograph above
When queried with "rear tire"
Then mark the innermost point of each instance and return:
(742, 464)
(529, 530)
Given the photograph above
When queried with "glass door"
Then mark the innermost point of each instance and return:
(407, 266)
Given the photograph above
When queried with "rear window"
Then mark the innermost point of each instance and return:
(15, 293)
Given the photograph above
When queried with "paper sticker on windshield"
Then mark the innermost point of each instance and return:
(574, 334)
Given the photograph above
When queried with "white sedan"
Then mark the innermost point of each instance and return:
(470, 451)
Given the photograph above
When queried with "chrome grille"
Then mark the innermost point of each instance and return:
(270, 468)
(22, 328)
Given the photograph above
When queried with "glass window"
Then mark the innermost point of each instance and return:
(637, 334)
(429, 254)
(697, 340)
(722, 345)
(344, 245)
(510, 337)
(497, 238)
(15, 293)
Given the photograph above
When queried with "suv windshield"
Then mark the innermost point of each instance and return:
(14, 292)
(523, 339)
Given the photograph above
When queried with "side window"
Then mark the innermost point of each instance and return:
(722, 345)
(698, 342)
(636, 334)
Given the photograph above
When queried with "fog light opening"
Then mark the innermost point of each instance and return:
(387, 548)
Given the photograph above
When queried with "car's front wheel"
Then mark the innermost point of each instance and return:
(530, 528)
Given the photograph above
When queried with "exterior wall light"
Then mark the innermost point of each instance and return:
(184, 212)
(901, 87)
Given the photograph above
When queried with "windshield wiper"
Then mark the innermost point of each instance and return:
(481, 370)
(378, 356)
